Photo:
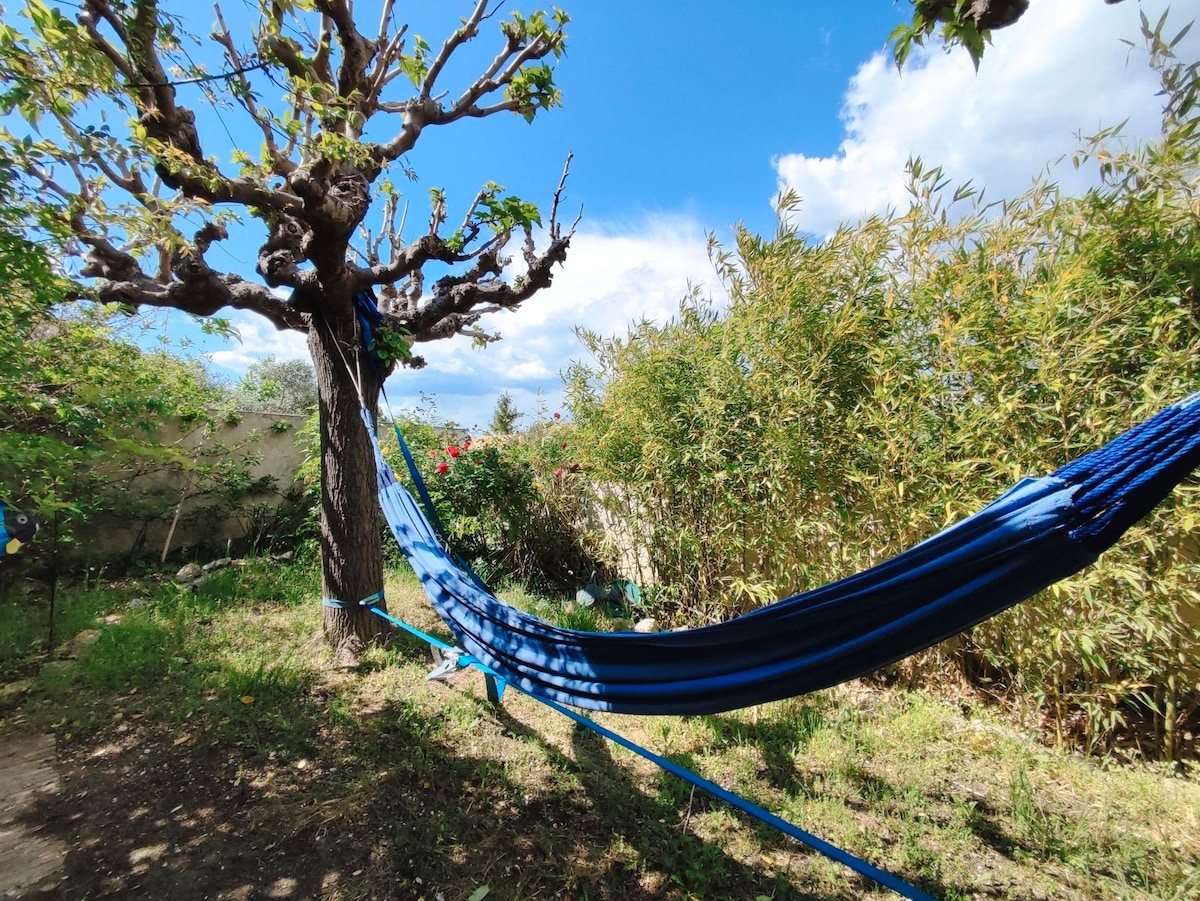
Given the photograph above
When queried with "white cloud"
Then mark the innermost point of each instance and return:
(612, 279)
(615, 276)
(1059, 72)
(258, 339)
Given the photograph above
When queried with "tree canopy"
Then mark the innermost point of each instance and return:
(276, 386)
(505, 415)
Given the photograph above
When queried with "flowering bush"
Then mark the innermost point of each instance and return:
(509, 505)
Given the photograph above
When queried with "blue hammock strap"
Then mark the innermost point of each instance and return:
(418, 480)
(369, 601)
(366, 310)
(494, 682)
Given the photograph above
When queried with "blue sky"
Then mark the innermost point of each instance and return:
(687, 118)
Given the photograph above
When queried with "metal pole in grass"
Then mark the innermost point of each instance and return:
(53, 585)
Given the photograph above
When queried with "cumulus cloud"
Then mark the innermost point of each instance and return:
(614, 277)
(1062, 71)
(258, 339)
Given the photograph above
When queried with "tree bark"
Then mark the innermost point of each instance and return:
(351, 551)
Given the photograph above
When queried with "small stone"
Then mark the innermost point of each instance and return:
(81, 642)
(649, 624)
(12, 692)
(139, 603)
(217, 564)
(189, 573)
(58, 667)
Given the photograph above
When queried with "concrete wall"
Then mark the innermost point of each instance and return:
(208, 487)
(613, 520)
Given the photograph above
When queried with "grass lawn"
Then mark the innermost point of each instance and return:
(207, 749)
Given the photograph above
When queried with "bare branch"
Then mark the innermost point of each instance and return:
(457, 300)
(554, 228)
(130, 182)
(437, 216)
(480, 112)
(385, 16)
(489, 82)
(466, 223)
(409, 259)
(356, 49)
(180, 163)
(381, 75)
(195, 288)
(87, 18)
(320, 62)
(424, 110)
(469, 30)
(280, 164)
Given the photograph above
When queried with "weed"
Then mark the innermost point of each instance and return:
(1039, 830)
(25, 625)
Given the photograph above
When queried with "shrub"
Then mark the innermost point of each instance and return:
(506, 504)
(858, 393)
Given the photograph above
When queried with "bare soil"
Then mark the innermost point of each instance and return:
(136, 819)
(31, 855)
(142, 814)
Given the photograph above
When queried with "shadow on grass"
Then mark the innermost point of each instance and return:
(191, 776)
(780, 738)
(777, 738)
(632, 844)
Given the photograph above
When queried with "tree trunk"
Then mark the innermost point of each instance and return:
(351, 552)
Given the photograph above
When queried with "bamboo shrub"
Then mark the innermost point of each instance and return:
(853, 395)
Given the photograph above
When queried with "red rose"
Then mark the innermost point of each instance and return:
(443, 467)
(453, 450)
(558, 416)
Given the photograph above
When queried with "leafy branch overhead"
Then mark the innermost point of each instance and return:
(120, 105)
(968, 23)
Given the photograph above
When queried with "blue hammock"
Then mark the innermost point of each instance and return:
(1039, 532)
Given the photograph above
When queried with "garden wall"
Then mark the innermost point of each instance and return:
(211, 486)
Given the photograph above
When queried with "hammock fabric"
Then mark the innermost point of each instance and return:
(1039, 532)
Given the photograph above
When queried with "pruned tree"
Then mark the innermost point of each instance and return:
(122, 106)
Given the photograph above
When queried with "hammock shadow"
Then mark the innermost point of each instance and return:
(780, 739)
(660, 823)
(777, 738)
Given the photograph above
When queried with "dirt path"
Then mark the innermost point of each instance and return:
(28, 858)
